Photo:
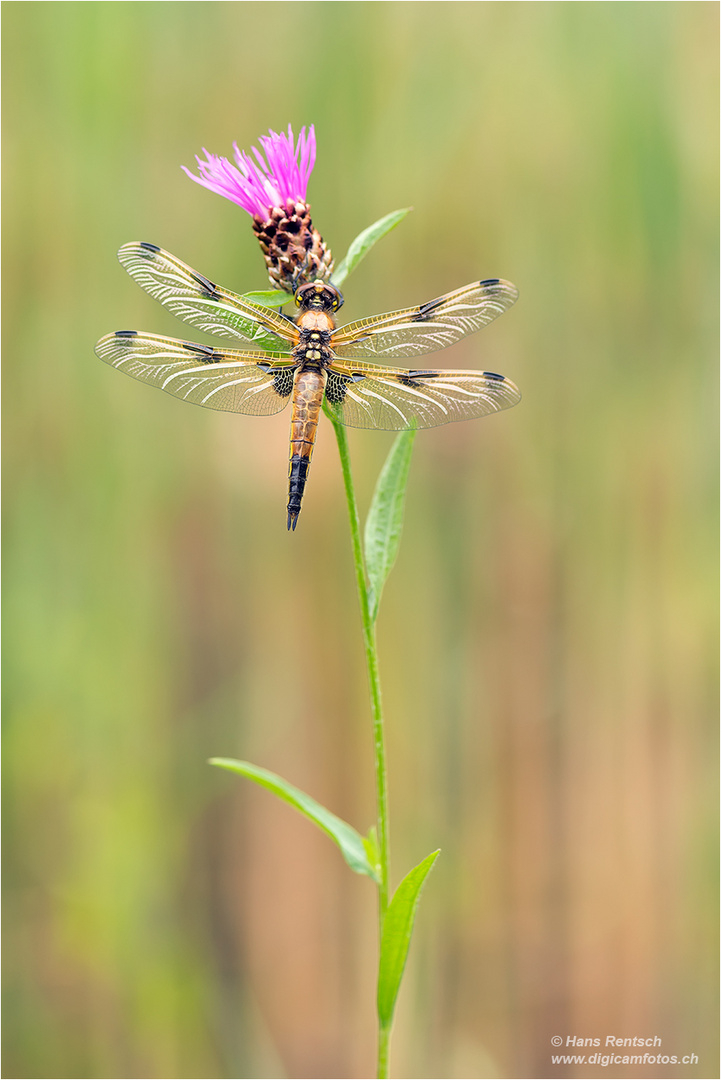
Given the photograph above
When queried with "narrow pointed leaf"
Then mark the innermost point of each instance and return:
(345, 836)
(396, 937)
(365, 241)
(268, 297)
(385, 517)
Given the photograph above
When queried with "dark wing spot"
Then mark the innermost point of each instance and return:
(153, 248)
(211, 292)
(490, 281)
(335, 388)
(492, 375)
(283, 381)
(126, 333)
(425, 310)
(283, 377)
(410, 378)
(209, 355)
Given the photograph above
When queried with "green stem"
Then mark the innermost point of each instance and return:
(384, 1046)
(369, 641)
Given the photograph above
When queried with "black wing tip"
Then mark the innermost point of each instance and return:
(126, 333)
(489, 283)
(138, 247)
(509, 384)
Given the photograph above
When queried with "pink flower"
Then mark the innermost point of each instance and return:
(259, 186)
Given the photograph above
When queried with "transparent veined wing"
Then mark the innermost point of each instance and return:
(244, 382)
(198, 301)
(428, 327)
(369, 396)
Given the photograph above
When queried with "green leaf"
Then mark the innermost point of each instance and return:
(260, 338)
(268, 297)
(385, 517)
(345, 836)
(365, 241)
(396, 937)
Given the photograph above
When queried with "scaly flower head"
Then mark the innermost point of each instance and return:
(272, 189)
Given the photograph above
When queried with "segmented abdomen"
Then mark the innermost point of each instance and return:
(308, 388)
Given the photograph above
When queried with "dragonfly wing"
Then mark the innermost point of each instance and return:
(203, 304)
(244, 382)
(430, 326)
(369, 396)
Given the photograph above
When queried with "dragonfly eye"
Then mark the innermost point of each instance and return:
(337, 298)
(306, 294)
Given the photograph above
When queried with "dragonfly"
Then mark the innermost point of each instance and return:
(308, 360)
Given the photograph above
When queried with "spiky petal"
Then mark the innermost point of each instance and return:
(268, 181)
(272, 189)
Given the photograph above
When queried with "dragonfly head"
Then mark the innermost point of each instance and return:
(318, 296)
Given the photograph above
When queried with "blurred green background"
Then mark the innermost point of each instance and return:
(548, 637)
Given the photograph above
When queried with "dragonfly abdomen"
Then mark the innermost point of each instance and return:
(308, 389)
